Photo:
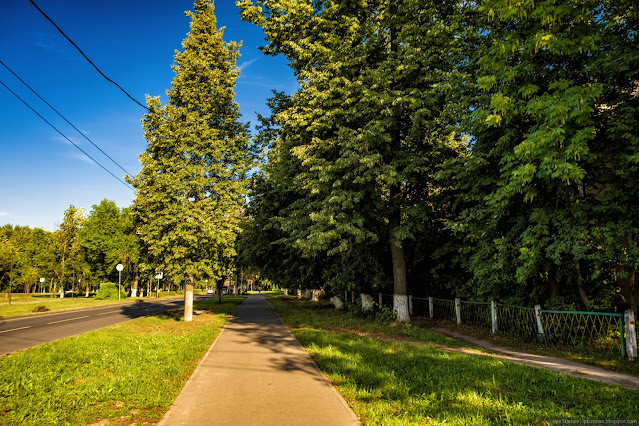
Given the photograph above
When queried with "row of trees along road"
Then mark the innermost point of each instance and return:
(483, 148)
(80, 255)
(190, 192)
(487, 149)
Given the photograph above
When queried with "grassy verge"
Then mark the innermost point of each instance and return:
(124, 374)
(389, 382)
(27, 305)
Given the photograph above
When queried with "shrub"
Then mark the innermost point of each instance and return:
(41, 308)
(378, 313)
(109, 290)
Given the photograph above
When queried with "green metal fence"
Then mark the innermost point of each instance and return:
(517, 321)
(594, 330)
(420, 307)
(444, 310)
(475, 313)
(603, 331)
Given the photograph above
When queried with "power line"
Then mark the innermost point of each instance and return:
(68, 122)
(62, 134)
(85, 56)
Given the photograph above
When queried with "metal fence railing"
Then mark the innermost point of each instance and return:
(476, 313)
(600, 331)
(444, 310)
(517, 321)
(420, 307)
(603, 331)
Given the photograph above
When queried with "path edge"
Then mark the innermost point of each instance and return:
(199, 364)
(339, 397)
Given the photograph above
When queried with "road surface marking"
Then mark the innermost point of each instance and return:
(15, 329)
(110, 312)
(70, 319)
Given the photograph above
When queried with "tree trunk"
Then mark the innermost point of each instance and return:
(400, 297)
(580, 286)
(218, 290)
(134, 287)
(188, 299)
(553, 284)
(627, 285)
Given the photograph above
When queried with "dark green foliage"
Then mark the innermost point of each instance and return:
(109, 290)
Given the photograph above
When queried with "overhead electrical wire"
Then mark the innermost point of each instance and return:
(64, 118)
(64, 136)
(85, 56)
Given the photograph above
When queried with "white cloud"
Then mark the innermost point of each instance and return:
(82, 157)
(246, 64)
(66, 141)
(4, 214)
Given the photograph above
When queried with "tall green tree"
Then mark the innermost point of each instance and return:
(543, 198)
(108, 238)
(191, 188)
(371, 122)
(68, 248)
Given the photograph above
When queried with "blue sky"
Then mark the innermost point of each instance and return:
(133, 43)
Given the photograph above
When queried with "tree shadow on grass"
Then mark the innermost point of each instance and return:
(417, 383)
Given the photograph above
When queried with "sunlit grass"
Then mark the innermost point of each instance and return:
(389, 382)
(128, 373)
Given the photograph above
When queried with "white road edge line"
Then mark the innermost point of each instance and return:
(15, 329)
(65, 320)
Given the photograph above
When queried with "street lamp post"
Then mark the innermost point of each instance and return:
(157, 289)
(119, 267)
(10, 278)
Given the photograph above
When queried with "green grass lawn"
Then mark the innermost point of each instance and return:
(390, 382)
(128, 373)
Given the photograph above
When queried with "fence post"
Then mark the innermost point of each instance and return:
(493, 316)
(352, 297)
(540, 325)
(410, 305)
(380, 300)
(458, 310)
(431, 307)
(631, 335)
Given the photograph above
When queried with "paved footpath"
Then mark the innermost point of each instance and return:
(565, 366)
(257, 373)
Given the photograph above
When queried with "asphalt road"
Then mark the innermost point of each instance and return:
(22, 333)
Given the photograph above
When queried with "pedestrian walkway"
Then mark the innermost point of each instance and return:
(257, 373)
(565, 366)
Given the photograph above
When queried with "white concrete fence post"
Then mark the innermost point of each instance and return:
(380, 300)
(410, 305)
(367, 301)
(540, 324)
(337, 302)
(493, 316)
(431, 307)
(631, 334)
(458, 310)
